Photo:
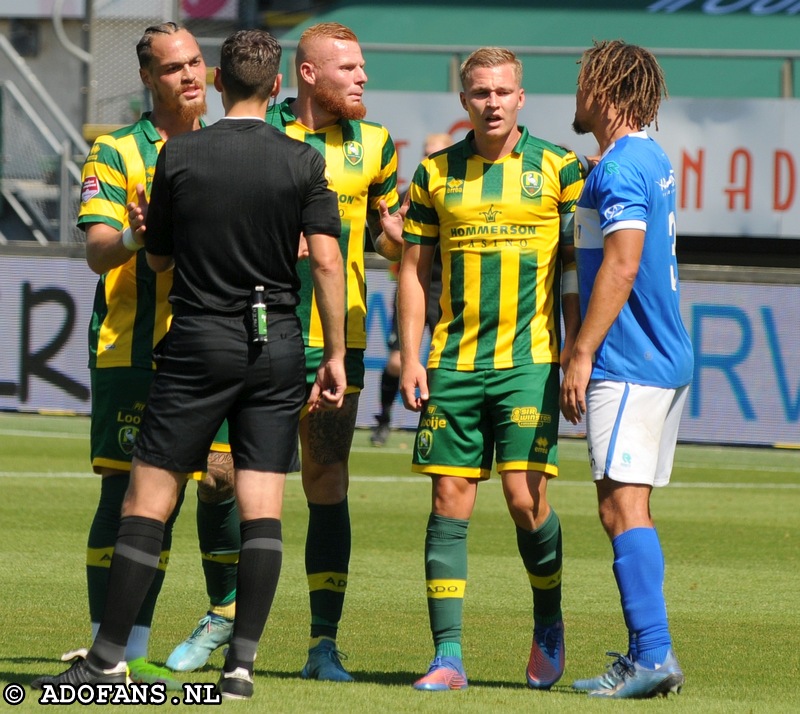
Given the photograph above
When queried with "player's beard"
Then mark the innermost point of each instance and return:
(191, 112)
(332, 102)
(578, 128)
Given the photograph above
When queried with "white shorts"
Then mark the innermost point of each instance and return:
(631, 431)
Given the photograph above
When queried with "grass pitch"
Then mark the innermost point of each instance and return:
(729, 524)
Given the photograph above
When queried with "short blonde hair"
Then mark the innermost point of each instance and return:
(321, 31)
(490, 57)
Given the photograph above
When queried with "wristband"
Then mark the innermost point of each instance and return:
(129, 241)
(569, 282)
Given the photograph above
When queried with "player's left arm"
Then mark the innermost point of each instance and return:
(384, 205)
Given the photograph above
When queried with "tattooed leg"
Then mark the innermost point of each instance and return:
(325, 438)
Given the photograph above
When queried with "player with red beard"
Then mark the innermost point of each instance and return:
(328, 113)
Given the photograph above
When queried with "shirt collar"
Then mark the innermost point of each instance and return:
(285, 110)
(150, 131)
(518, 147)
(288, 116)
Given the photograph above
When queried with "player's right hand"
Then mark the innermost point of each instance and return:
(573, 389)
(137, 213)
(414, 386)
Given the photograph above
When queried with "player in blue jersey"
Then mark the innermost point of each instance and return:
(631, 363)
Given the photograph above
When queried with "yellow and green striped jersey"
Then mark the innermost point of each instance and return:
(131, 312)
(497, 224)
(361, 167)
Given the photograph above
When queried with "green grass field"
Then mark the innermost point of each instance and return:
(729, 524)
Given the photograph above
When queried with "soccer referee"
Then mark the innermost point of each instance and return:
(228, 205)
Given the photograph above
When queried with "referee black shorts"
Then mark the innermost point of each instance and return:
(207, 371)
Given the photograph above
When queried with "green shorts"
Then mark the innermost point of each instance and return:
(118, 398)
(221, 441)
(353, 365)
(473, 417)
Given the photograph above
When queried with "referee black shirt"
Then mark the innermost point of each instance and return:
(229, 203)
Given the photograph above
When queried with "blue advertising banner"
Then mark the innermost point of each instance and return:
(746, 387)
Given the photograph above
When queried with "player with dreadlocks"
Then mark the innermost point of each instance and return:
(631, 363)
(627, 77)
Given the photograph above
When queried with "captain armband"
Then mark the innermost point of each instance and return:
(129, 241)
(569, 279)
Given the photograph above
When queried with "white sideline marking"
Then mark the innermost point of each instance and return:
(741, 467)
(47, 474)
(389, 451)
(43, 434)
(394, 451)
(567, 482)
(416, 479)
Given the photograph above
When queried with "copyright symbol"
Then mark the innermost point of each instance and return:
(13, 694)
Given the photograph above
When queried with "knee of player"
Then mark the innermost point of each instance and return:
(214, 490)
(325, 483)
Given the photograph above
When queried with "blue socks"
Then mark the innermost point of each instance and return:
(639, 571)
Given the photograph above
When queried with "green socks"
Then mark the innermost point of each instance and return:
(445, 581)
(220, 540)
(541, 553)
(327, 564)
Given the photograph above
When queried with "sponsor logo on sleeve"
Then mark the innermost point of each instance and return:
(613, 211)
(89, 189)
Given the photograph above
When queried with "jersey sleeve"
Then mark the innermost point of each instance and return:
(320, 208)
(384, 187)
(104, 189)
(421, 224)
(621, 197)
(571, 177)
